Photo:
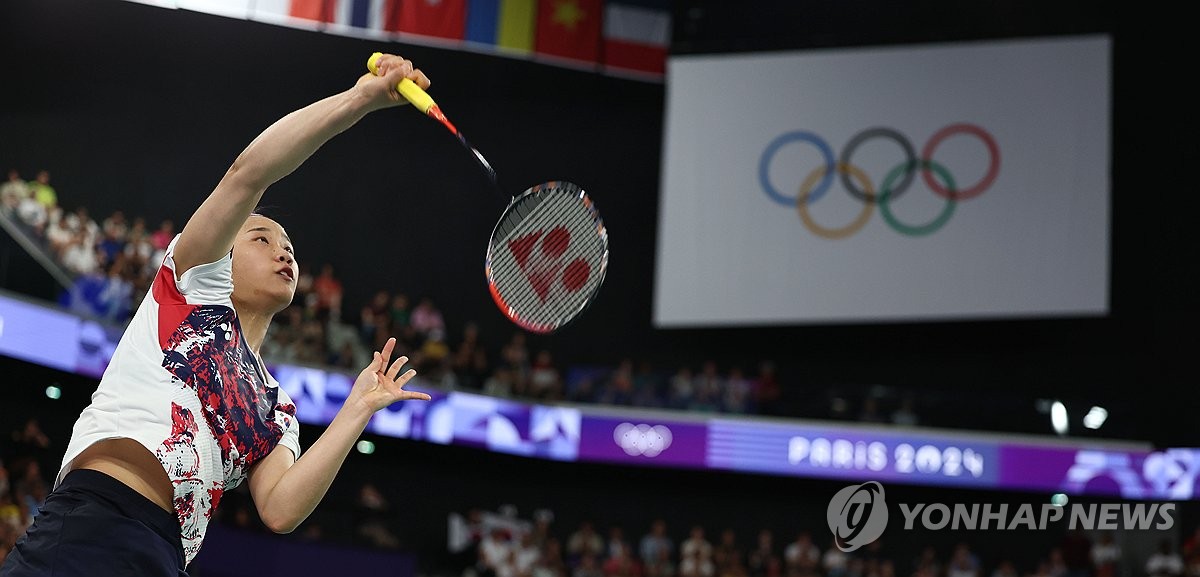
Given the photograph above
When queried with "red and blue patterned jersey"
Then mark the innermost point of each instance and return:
(184, 384)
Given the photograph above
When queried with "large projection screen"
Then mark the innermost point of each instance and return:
(916, 183)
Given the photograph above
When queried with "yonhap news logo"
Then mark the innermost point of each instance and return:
(858, 515)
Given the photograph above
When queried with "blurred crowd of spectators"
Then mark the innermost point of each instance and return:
(27, 466)
(112, 262)
(498, 544)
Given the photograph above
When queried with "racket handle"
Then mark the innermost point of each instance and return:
(407, 88)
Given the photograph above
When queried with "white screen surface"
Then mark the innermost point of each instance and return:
(1021, 128)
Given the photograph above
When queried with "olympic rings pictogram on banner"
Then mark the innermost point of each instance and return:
(895, 183)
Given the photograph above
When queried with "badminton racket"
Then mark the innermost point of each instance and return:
(548, 254)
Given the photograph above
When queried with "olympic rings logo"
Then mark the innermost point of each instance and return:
(895, 183)
(643, 439)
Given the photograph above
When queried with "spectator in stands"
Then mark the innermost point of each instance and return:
(694, 563)
(545, 382)
(550, 563)
(683, 388)
(116, 295)
(584, 542)
(58, 233)
(802, 558)
(1005, 568)
(13, 191)
(835, 562)
(80, 255)
(727, 557)
(759, 560)
(695, 545)
(42, 191)
(1191, 545)
(616, 542)
(654, 542)
(466, 355)
(81, 220)
(618, 386)
(737, 392)
(1077, 553)
(588, 566)
(426, 318)
(1106, 555)
(515, 356)
(373, 514)
(29, 443)
(710, 387)
(495, 553)
(621, 563)
(1058, 565)
(110, 246)
(526, 555)
(660, 566)
(542, 521)
(500, 383)
(1165, 562)
(646, 391)
(435, 353)
(140, 250)
(375, 320)
(399, 312)
(767, 391)
(329, 294)
(115, 226)
(927, 561)
(963, 563)
(162, 237)
(33, 214)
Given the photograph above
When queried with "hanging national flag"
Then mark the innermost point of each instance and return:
(569, 29)
(227, 8)
(338, 16)
(438, 18)
(637, 34)
(505, 24)
(315, 10)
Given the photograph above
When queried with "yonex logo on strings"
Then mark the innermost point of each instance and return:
(542, 263)
(895, 183)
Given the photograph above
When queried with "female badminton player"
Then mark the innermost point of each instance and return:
(186, 409)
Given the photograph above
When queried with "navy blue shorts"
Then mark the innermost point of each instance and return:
(93, 524)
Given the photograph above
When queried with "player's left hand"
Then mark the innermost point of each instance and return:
(378, 385)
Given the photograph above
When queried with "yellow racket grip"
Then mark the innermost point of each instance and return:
(407, 88)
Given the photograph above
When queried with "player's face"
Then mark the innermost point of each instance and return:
(264, 266)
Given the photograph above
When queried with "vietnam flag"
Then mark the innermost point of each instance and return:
(569, 29)
(439, 18)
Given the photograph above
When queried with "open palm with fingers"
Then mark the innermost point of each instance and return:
(379, 385)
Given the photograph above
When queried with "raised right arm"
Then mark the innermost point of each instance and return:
(279, 150)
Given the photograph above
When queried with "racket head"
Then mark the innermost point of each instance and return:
(547, 257)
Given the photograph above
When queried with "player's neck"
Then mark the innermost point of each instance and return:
(254, 328)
